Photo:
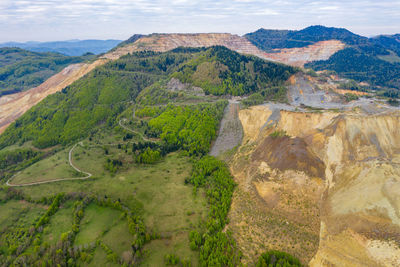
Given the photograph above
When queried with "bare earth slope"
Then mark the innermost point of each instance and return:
(337, 205)
(12, 107)
(299, 56)
(294, 56)
(230, 132)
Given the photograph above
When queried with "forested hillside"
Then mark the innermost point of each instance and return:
(277, 39)
(114, 168)
(220, 71)
(99, 97)
(353, 64)
(372, 60)
(391, 42)
(21, 69)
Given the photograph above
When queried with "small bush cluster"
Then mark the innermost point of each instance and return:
(278, 133)
(276, 258)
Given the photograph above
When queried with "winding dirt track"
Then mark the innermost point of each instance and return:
(132, 131)
(88, 174)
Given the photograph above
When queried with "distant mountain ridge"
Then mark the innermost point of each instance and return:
(391, 42)
(21, 69)
(68, 48)
(373, 60)
(278, 39)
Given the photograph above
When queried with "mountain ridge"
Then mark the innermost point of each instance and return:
(378, 56)
(68, 47)
(300, 172)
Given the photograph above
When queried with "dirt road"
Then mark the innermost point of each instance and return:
(88, 174)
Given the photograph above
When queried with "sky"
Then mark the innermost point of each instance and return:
(51, 20)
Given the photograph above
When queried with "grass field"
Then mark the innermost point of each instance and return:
(54, 167)
(100, 259)
(157, 191)
(118, 237)
(16, 215)
(57, 166)
(175, 244)
(169, 206)
(60, 223)
(96, 222)
(20, 211)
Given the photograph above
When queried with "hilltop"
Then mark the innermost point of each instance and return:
(375, 61)
(278, 39)
(205, 150)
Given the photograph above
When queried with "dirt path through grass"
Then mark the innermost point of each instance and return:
(132, 131)
(87, 174)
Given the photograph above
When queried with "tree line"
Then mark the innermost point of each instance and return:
(190, 127)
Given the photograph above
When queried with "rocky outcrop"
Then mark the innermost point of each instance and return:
(175, 85)
(293, 56)
(352, 218)
(299, 56)
(166, 42)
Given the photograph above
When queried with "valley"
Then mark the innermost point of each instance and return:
(204, 150)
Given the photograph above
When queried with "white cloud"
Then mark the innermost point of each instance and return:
(329, 8)
(60, 19)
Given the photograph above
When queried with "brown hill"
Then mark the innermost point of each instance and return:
(13, 106)
(338, 205)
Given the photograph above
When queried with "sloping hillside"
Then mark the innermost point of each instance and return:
(371, 60)
(269, 40)
(296, 57)
(325, 191)
(155, 42)
(391, 42)
(105, 92)
(21, 69)
(15, 105)
(352, 63)
(322, 50)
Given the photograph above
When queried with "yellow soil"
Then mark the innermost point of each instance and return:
(354, 212)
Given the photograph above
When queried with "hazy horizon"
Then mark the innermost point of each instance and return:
(56, 20)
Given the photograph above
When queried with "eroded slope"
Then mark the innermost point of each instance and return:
(12, 107)
(299, 56)
(326, 192)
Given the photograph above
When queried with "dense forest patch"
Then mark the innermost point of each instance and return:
(220, 71)
(21, 69)
(354, 64)
(372, 60)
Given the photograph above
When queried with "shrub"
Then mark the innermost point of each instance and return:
(171, 259)
(278, 133)
(277, 258)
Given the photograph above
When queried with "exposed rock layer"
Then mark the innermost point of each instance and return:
(354, 211)
(12, 107)
(299, 56)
